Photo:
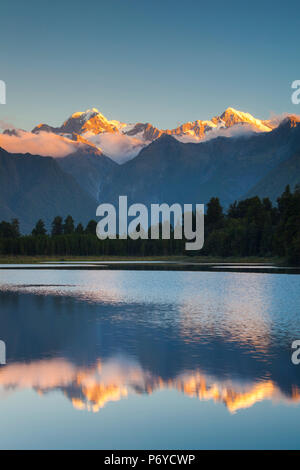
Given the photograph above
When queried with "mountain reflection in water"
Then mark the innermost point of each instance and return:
(91, 388)
(100, 337)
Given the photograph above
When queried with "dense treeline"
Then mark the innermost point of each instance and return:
(252, 227)
(66, 239)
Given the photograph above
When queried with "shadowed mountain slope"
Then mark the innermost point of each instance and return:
(33, 187)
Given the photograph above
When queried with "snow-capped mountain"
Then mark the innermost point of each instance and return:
(199, 130)
(170, 171)
(82, 122)
(122, 141)
(165, 170)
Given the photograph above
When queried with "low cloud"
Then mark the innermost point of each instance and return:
(238, 130)
(44, 143)
(276, 119)
(118, 147)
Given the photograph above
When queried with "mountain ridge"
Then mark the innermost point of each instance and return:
(121, 141)
(166, 170)
(92, 120)
(169, 171)
(34, 187)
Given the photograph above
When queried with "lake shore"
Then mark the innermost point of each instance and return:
(181, 259)
(175, 263)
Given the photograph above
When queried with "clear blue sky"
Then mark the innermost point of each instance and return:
(164, 62)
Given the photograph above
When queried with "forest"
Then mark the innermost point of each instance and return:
(251, 227)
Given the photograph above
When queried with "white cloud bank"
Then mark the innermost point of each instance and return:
(118, 147)
(44, 143)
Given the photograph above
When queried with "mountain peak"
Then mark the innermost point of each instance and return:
(232, 116)
(90, 120)
(92, 110)
(241, 115)
(292, 120)
(231, 110)
(86, 115)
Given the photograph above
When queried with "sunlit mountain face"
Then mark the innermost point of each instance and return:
(101, 338)
(92, 131)
(131, 138)
(93, 122)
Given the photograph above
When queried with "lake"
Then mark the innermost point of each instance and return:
(136, 359)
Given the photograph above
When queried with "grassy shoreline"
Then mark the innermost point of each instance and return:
(180, 259)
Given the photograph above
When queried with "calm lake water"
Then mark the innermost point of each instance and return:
(149, 359)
